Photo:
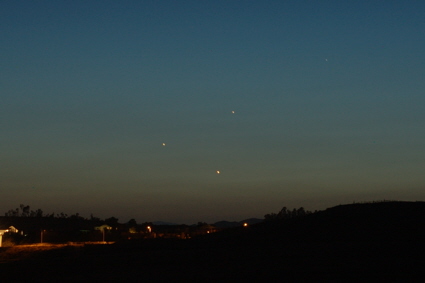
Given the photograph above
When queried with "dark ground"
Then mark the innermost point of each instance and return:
(379, 242)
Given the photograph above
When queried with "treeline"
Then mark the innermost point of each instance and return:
(25, 211)
(286, 213)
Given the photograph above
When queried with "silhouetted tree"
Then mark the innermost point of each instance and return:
(25, 210)
(76, 216)
(111, 221)
(51, 215)
(270, 216)
(93, 218)
(12, 212)
(132, 223)
(62, 215)
(39, 213)
(301, 211)
(285, 213)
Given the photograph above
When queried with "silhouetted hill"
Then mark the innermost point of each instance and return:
(370, 242)
(365, 221)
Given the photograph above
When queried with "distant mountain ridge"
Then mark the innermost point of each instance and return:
(219, 224)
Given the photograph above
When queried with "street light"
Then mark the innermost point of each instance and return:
(103, 232)
(102, 228)
(41, 235)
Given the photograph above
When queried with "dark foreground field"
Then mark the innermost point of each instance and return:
(380, 242)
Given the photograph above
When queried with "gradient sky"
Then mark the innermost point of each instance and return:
(328, 96)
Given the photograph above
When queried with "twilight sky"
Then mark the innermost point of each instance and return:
(328, 100)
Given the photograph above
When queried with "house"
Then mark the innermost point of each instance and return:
(11, 229)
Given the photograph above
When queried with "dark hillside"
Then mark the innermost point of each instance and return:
(356, 222)
(371, 242)
(383, 221)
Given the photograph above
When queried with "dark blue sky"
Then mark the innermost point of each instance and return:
(328, 99)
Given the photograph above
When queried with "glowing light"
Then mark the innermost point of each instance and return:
(233, 112)
(218, 171)
(163, 144)
(245, 224)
